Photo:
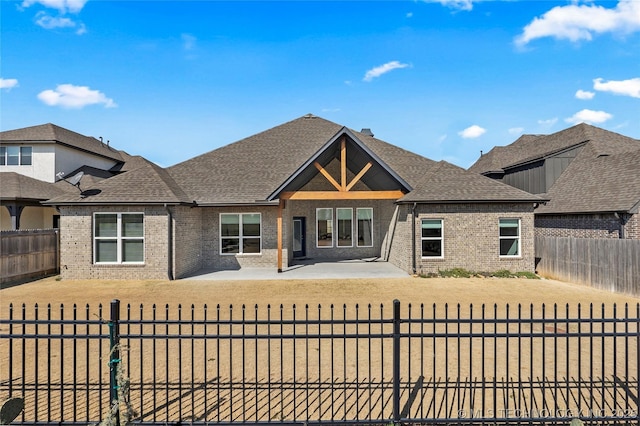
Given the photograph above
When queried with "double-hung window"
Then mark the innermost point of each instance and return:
(509, 237)
(364, 220)
(15, 156)
(118, 238)
(240, 233)
(432, 238)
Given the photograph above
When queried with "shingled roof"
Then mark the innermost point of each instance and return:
(17, 187)
(530, 148)
(249, 170)
(447, 183)
(595, 183)
(50, 133)
(148, 184)
(603, 177)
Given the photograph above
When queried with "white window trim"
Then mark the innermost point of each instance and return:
(240, 236)
(118, 239)
(6, 156)
(358, 229)
(441, 238)
(518, 237)
(337, 227)
(332, 226)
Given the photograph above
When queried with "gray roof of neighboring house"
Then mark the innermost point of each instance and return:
(529, 148)
(50, 133)
(595, 183)
(446, 182)
(17, 187)
(603, 177)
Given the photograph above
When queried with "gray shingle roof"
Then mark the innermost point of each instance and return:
(593, 183)
(148, 184)
(446, 183)
(50, 133)
(602, 178)
(251, 169)
(14, 186)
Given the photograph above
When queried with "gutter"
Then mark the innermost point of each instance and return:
(413, 238)
(169, 243)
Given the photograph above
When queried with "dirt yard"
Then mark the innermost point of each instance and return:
(476, 291)
(234, 375)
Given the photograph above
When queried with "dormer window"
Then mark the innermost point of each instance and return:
(15, 155)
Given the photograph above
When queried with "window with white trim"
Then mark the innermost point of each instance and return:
(364, 223)
(118, 238)
(509, 237)
(240, 233)
(344, 217)
(432, 238)
(15, 155)
(324, 228)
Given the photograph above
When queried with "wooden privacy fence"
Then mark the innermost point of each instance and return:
(28, 253)
(606, 264)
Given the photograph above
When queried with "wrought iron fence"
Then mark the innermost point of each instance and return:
(313, 364)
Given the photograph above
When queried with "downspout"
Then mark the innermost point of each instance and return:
(413, 238)
(169, 243)
(621, 218)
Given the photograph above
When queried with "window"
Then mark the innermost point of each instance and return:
(118, 238)
(345, 227)
(364, 217)
(509, 237)
(432, 238)
(324, 227)
(240, 233)
(15, 156)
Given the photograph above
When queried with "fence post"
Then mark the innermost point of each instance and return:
(114, 359)
(396, 361)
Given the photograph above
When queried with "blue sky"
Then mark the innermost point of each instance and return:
(169, 80)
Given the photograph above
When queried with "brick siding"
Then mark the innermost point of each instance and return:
(586, 226)
(471, 240)
(76, 244)
(187, 240)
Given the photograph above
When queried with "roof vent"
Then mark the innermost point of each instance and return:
(309, 116)
(366, 132)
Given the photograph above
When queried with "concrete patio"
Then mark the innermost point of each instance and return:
(309, 269)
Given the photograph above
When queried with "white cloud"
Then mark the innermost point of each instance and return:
(584, 95)
(383, 69)
(589, 116)
(188, 41)
(455, 4)
(629, 87)
(51, 22)
(8, 83)
(409, 15)
(472, 132)
(63, 6)
(70, 96)
(516, 130)
(580, 22)
(549, 122)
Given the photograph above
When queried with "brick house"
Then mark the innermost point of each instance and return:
(309, 188)
(590, 176)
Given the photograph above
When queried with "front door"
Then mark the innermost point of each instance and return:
(299, 240)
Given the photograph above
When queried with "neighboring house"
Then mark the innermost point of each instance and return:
(33, 161)
(309, 188)
(590, 175)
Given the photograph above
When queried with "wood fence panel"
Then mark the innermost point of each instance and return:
(28, 253)
(607, 264)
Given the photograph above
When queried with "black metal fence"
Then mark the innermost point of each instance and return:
(310, 365)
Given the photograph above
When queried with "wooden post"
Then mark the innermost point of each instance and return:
(343, 164)
(280, 207)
